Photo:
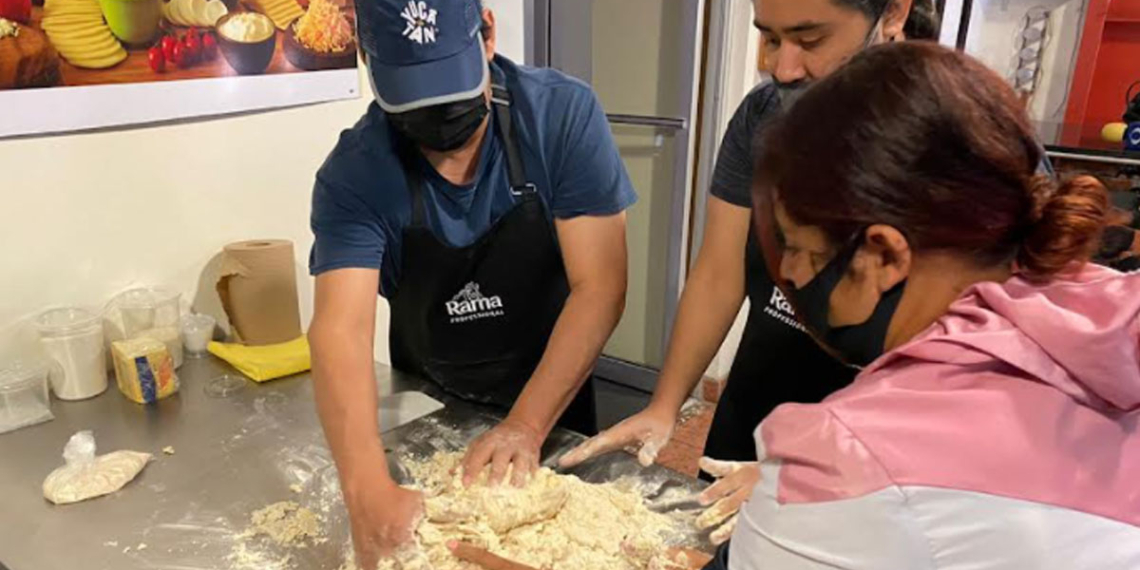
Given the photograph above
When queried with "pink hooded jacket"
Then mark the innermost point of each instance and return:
(1005, 437)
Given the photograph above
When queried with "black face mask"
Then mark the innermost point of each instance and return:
(860, 344)
(444, 127)
(791, 92)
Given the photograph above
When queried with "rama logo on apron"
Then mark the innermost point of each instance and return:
(470, 304)
(476, 319)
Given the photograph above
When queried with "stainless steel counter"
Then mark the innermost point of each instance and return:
(233, 455)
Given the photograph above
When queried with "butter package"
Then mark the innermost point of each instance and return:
(144, 369)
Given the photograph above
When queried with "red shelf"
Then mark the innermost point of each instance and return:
(1124, 10)
(1105, 67)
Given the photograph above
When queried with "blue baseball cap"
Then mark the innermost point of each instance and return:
(421, 53)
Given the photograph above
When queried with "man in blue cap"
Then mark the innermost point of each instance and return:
(484, 200)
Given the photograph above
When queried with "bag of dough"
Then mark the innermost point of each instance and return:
(85, 476)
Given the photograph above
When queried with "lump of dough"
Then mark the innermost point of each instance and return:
(555, 522)
(102, 475)
(501, 507)
(505, 509)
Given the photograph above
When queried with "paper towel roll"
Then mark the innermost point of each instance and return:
(258, 288)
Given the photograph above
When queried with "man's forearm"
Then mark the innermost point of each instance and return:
(586, 322)
(345, 388)
(708, 307)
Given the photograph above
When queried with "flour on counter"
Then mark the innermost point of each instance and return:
(242, 557)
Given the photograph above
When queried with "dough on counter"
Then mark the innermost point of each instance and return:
(285, 523)
(103, 475)
(555, 522)
(502, 507)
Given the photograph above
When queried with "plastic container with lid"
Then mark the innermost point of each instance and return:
(24, 397)
(73, 338)
(150, 312)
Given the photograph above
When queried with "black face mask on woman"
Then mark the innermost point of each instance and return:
(860, 344)
(443, 127)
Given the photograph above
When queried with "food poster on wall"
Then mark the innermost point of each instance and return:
(80, 64)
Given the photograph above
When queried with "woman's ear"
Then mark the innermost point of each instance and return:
(894, 19)
(881, 262)
(888, 256)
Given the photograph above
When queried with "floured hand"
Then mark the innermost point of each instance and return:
(511, 444)
(735, 481)
(384, 518)
(647, 431)
(686, 559)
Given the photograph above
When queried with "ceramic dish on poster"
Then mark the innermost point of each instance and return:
(312, 60)
(247, 41)
(322, 38)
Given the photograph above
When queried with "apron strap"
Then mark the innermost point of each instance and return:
(516, 172)
(414, 177)
(415, 180)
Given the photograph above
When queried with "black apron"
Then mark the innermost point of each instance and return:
(776, 363)
(475, 320)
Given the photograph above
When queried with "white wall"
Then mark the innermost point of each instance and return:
(86, 216)
(995, 34)
(511, 25)
(89, 215)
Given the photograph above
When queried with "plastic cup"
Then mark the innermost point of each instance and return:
(197, 332)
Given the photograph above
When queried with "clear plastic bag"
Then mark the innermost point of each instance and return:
(86, 476)
(80, 449)
(151, 312)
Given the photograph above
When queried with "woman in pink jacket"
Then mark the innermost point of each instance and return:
(997, 426)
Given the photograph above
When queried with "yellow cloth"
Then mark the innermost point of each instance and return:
(270, 362)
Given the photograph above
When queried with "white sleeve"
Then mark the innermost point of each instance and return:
(816, 515)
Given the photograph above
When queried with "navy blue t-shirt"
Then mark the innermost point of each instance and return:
(361, 201)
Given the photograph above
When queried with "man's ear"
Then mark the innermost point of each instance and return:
(894, 19)
(889, 256)
(489, 33)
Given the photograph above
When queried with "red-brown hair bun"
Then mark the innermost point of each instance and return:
(1067, 224)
